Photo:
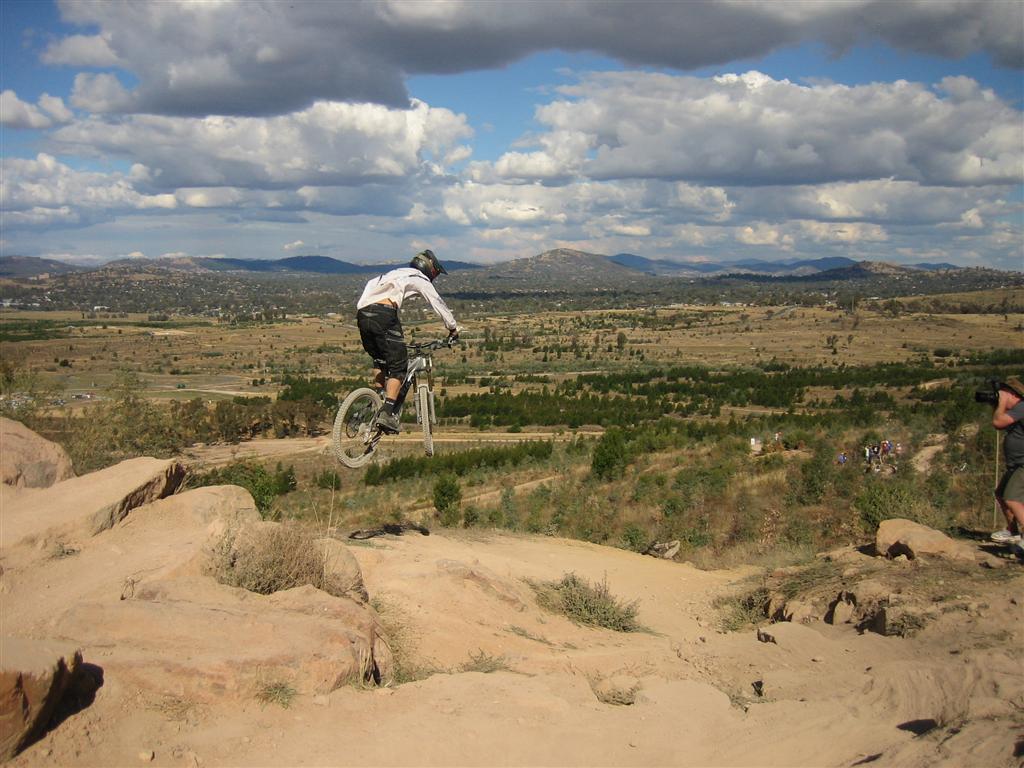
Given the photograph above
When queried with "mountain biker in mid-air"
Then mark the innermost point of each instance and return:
(381, 331)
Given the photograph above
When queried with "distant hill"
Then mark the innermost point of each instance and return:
(567, 265)
(864, 270)
(564, 267)
(707, 268)
(33, 266)
(793, 266)
(664, 266)
(320, 265)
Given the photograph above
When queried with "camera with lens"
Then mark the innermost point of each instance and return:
(989, 395)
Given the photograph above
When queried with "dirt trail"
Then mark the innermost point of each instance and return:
(271, 448)
(922, 460)
(423, 511)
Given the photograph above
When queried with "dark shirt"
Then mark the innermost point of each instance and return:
(1013, 442)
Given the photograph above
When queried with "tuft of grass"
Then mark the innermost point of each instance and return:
(277, 692)
(592, 605)
(515, 630)
(176, 708)
(402, 641)
(61, 550)
(268, 558)
(819, 575)
(484, 662)
(741, 610)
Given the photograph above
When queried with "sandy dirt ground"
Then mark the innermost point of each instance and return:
(829, 696)
(486, 676)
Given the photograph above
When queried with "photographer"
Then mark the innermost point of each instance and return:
(1008, 417)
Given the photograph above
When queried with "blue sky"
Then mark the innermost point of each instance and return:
(703, 131)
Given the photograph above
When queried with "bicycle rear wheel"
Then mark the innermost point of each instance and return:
(423, 414)
(355, 436)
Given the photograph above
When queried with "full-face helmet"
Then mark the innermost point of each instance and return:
(427, 263)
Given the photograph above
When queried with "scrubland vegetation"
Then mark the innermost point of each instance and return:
(625, 427)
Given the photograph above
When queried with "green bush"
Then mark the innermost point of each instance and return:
(328, 479)
(884, 499)
(458, 463)
(634, 538)
(610, 455)
(447, 499)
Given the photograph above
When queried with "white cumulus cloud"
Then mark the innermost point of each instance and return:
(249, 57)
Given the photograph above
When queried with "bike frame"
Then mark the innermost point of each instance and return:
(367, 433)
(418, 364)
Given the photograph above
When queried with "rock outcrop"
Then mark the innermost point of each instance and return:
(139, 590)
(91, 503)
(905, 537)
(33, 677)
(28, 460)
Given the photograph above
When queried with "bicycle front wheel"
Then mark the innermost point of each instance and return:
(423, 414)
(355, 437)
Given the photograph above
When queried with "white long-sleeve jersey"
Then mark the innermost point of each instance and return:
(400, 283)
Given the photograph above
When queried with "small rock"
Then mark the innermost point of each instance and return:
(147, 755)
(817, 659)
(900, 559)
(843, 612)
(992, 562)
(765, 637)
(758, 686)
(799, 612)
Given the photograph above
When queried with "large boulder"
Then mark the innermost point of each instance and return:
(164, 538)
(210, 641)
(91, 503)
(344, 575)
(905, 537)
(33, 677)
(28, 460)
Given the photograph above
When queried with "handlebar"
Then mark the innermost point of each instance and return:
(431, 345)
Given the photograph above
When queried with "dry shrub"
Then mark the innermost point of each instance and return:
(484, 662)
(269, 557)
(593, 605)
(403, 642)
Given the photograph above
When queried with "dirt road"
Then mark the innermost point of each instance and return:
(270, 448)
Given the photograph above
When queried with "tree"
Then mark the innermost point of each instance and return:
(610, 455)
(447, 499)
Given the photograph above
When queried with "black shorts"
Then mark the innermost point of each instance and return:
(381, 334)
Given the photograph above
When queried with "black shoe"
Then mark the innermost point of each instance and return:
(388, 422)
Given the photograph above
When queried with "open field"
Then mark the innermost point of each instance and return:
(198, 358)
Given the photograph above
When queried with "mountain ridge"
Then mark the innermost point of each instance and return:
(576, 263)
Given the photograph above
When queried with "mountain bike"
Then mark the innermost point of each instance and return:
(356, 434)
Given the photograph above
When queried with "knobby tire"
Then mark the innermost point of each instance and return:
(352, 436)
